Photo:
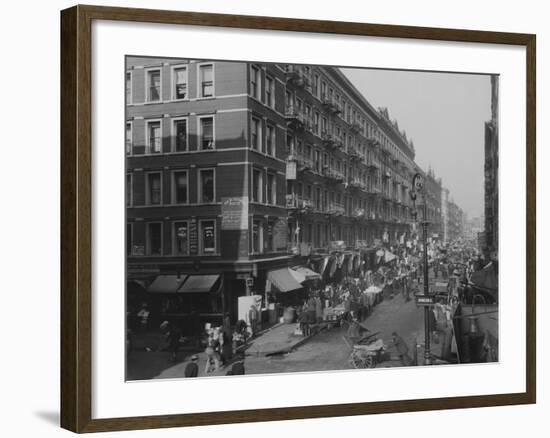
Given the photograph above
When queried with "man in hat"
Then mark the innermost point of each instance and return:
(402, 349)
(192, 368)
(172, 334)
(143, 317)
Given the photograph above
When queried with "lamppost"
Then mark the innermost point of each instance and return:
(418, 188)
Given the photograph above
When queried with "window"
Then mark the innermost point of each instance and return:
(269, 92)
(180, 187)
(256, 236)
(128, 88)
(179, 76)
(208, 237)
(269, 240)
(206, 80)
(153, 86)
(206, 129)
(154, 239)
(316, 123)
(129, 189)
(318, 198)
(180, 241)
(128, 138)
(255, 133)
(154, 189)
(318, 161)
(271, 189)
(129, 239)
(256, 185)
(255, 82)
(315, 88)
(270, 140)
(154, 137)
(206, 186)
(289, 144)
(318, 237)
(289, 101)
(179, 133)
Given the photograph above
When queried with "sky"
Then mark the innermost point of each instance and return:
(444, 115)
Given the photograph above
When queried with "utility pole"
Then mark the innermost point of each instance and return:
(418, 187)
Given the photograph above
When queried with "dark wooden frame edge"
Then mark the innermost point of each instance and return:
(76, 165)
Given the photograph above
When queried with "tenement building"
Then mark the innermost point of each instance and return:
(455, 221)
(491, 176)
(235, 169)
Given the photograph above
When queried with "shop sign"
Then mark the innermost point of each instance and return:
(280, 234)
(291, 170)
(235, 213)
(193, 237)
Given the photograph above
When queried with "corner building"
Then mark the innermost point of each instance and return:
(231, 166)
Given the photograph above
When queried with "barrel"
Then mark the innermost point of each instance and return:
(289, 315)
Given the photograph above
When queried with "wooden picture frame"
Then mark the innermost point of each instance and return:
(76, 217)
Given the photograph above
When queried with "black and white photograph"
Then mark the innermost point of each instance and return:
(286, 218)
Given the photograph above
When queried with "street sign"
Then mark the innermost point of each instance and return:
(425, 300)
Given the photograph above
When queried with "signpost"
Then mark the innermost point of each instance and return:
(425, 300)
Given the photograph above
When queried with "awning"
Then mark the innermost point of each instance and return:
(440, 287)
(283, 280)
(486, 279)
(307, 273)
(199, 284)
(388, 257)
(298, 276)
(166, 284)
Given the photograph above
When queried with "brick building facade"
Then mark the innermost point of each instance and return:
(231, 165)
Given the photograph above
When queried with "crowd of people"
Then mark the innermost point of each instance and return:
(351, 299)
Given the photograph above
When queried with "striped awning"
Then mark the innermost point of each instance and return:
(199, 284)
(283, 280)
(166, 284)
(307, 273)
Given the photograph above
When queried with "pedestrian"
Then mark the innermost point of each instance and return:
(172, 335)
(212, 355)
(253, 319)
(192, 368)
(347, 308)
(311, 306)
(226, 341)
(303, 320)
(402, 349)
(143, 317)
(318, 309)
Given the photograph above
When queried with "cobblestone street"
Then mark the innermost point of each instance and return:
(325, 351)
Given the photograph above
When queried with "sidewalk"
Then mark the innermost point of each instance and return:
(277, 340)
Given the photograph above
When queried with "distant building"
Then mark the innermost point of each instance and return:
(445, 214)
(455, 219)
(491, 174)
(434, 196)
